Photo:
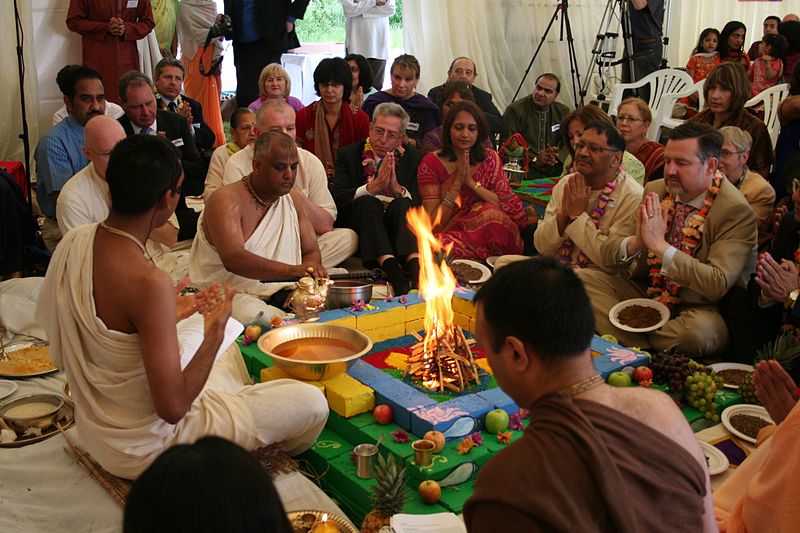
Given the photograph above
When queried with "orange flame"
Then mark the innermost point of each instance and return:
(436, 281)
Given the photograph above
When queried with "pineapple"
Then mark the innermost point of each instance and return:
(784, 349)
(389, 496)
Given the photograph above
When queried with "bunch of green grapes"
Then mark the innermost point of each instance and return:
(701, 388)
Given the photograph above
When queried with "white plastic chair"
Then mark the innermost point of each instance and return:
(771, 98)
(666, 87)
(666, 119)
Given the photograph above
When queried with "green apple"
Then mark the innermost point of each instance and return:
(496, 421)
(619, 379)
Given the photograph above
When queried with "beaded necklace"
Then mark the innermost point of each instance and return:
(254, 196)
(665, 290)
(581, 260)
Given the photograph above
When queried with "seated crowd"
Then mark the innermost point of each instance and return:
(150, 195)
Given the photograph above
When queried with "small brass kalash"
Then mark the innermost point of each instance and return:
(308, 299)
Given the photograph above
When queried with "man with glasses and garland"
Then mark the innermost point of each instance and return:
(694, 239)
(374, 186)
(85, 198)
(590, 206)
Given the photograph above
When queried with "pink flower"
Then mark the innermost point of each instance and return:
(477, 438)
(400, 436)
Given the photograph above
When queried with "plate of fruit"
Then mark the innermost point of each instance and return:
(746, 420)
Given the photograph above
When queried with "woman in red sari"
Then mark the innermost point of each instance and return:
(465, 191)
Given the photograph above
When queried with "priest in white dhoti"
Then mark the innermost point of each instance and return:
(255, 230)
(85, 198)
(335, 244)
(110, 318)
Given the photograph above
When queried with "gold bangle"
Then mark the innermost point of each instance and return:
(477, 186)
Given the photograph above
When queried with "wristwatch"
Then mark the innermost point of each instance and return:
(791, 299)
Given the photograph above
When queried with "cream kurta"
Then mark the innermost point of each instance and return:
(336, 245)
(85, 199)
(617, 220)
(114, 406)
(216, 168)
(367, 27)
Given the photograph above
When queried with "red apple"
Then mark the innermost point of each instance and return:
(382, 414)
(642, 375)
(430, 491)
(252, 333)
(437, 438)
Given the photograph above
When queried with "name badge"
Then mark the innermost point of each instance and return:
(412, 126)
(177, 142)
(196, 126)
(555, 127)
(132, 4)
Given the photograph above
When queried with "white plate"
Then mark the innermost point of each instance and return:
(492, 260)
(743, 409)
(474, 264)
(7, 388)
(717, 462)
(645, 302)
(731, 366)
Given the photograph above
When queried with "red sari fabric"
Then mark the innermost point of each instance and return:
(651, 154)
(352, 127)
(477, 229)
(108, 54)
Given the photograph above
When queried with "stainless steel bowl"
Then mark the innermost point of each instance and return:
(344, 292)
(314, 370)
(21, 424)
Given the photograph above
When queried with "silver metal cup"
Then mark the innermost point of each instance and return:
(365, 460)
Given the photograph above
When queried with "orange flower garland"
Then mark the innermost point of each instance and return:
(665, 290)
(582, 261)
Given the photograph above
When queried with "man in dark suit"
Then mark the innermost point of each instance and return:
(142, 117)
(463, 68)
(373, 199)
(262, 31)
(168, 79)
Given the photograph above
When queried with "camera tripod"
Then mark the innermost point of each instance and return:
(566, 27)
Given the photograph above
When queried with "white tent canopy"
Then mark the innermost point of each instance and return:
(500, 35)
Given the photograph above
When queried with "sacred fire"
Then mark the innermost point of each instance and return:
(443, 359)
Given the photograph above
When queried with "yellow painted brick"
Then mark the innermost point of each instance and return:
(415, 312)
(415, 326)
(387, 332)
(272, 373)
(350, 322)
(465, 307)
(395, 315)
(471, 326)
(347, 396)
(461, 320)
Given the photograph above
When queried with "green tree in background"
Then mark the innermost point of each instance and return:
(324, 23)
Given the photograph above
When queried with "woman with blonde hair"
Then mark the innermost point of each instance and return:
(274, 82)
(633, 120)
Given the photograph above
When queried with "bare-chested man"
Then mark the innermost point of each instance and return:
(586, 461)
(110, 317)
(335, 243)
(251, 230)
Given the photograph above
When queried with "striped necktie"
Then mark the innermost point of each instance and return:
(145, 131)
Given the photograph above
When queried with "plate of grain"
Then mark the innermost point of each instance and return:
(639, 315)
(469, 272)
(745, 420)
(732, 374)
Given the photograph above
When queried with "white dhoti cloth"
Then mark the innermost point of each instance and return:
(114, 407)
(277, 237)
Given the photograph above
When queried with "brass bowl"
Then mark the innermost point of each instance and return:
(20, 424)
(308, 370)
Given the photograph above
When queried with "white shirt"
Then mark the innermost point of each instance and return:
(367, 27)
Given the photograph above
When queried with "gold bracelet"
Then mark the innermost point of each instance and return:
(477, 186)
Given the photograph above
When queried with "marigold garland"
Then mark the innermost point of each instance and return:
(581, 260)
(665, 290)
(369, 162)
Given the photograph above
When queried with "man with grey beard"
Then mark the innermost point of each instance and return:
(695, 239)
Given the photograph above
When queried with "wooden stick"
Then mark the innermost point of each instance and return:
(417, 335)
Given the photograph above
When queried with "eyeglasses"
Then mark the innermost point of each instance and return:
(391, 135)
(728, 153)
(626, 118)
(333, 84)
(593, 148)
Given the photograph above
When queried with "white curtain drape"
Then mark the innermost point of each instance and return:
(502, 35)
